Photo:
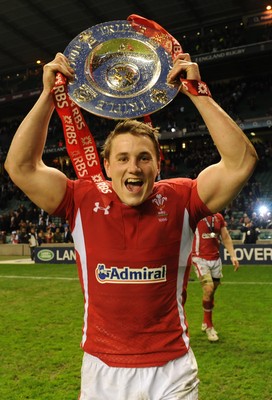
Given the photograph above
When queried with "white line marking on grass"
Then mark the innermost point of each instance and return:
(246, 283)
(59, 278)
(240, 283)
(18, 261)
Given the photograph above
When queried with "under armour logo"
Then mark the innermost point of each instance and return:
(98, 207)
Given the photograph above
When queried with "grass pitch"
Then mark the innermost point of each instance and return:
(40, 331)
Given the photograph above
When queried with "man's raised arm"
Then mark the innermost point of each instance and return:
(45, 186)
(219, 183)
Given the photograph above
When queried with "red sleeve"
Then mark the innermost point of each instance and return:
(222, 220)
(67, 204)
(197, 209)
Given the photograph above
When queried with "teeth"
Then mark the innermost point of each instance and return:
(133, 180)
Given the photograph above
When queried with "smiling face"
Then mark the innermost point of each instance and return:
(133, 167)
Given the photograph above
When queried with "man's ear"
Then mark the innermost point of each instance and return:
(107, 168)
(159, 167)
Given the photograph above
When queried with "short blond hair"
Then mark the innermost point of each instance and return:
(133, 127)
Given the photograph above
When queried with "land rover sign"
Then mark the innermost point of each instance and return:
(45, 255)
(55, 255)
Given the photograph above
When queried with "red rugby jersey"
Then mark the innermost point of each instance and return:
(133, 265)
(204, 244)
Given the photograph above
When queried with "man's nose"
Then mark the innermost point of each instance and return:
(133, 166)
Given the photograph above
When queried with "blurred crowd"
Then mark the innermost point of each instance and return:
(17, 226)
(225, 36)
(242, 98)
(208, 39)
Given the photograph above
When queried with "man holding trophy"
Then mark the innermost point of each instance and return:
(132, 235)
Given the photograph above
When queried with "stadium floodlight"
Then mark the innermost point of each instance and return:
(263, 210)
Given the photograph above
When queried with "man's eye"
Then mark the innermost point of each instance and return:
(145, 158)
(122, 159)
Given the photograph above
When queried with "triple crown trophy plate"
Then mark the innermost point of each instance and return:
(119, 73)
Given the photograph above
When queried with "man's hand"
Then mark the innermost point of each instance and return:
(235, 263)
(183, 68)
(59, 64)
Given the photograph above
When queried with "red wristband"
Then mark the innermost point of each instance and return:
(197, 88)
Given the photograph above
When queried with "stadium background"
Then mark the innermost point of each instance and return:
(231, 41)
(41, 312)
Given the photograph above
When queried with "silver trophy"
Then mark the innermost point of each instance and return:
(119, 73)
